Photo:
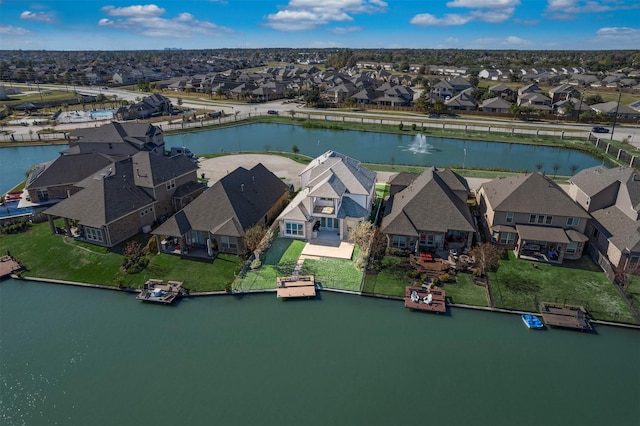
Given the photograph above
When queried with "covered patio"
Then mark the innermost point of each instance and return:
(544, 243)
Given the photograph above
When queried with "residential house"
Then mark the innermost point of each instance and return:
(563, 92)
(615, 109)
(218, 219)
(462, 102)
(532, 215)
(336, 194)
(442, 89)
(535, 100)
(56, 180)
(571, 107)
(117, 139)
(501, 90)
(155, 104)
(612, 196)
(529, 88)
(126, 197)
(431, 212)
(496, 104)
(489, 74)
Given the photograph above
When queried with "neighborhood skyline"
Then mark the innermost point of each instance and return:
(191, 24)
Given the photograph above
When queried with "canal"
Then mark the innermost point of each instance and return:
(367, 147)
(77, 356)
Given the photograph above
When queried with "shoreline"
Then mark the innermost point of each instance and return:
(262, 291)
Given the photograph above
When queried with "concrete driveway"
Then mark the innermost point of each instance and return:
(215, 169)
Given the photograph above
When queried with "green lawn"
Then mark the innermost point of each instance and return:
(465, 292)
(49, 256)
(382, 190)
(522, 285)
(280, 261)
(633, 291)
(394, 277)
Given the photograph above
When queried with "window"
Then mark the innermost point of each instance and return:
(399, 241)
(228, 242)
(171, 184)
(509, 217)
(540, 219)
(291, 228)
(43, 194)
(595, 233)
(507, 238)
(572, 247)
(93, 234)
(423, 239)
(573, 221)
(146, 211)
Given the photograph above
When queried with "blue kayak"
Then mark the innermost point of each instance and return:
(532, 321)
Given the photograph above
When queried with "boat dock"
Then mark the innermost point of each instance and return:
(8, 266)
(300, 286)
(567, 316)
(160, 292)
(422, 299)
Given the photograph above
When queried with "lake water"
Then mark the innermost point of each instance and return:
(367, 147)
(78, 356)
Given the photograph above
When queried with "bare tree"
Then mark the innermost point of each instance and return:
(486, 256)
(253, 236)
(361, 236)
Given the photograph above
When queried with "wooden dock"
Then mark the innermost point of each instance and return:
(420, 300)
(567, 316)
(160, 292)
(300, 286)
(8, 266)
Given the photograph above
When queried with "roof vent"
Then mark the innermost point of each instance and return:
(242, 187)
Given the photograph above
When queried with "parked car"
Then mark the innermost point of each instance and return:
(434, 115)
(272, 112)
(599, 129)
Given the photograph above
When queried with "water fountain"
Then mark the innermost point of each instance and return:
(420, 145)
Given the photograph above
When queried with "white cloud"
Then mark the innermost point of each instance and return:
(134, 11)
(566, 9)
(427, 20)
(346, 30)
(491, 11)
(619, 32)
(300, 15)
(511, 41)
(36, 16)
(483, 4)
(148, 21)
(10, 30)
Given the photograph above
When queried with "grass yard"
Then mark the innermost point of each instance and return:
(278, 261)
(633, 291)
(391, 280)
(50, 256)
(334, 273)
(522, 285)
(283, 250)
(465, 292)
(382, 190)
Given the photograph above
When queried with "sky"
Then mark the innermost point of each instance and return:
(376, 24)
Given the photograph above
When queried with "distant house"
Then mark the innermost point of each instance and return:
(125, 198)
(497, 104)
(563, 92)
(462, 102)
(612, 196)
(117, 139)
(218, 219)
(150, 106)
(336, 193)
(535, 100)
(501, 90)
(571, 107)
(614, 109)
(56, 180)
(442, 90)
(430, 212)
(534, 216)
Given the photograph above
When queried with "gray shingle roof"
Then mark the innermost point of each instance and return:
(105, 198)
(152, 170)
(532, 193)
(355, 178)
(67, 169)
(623, 232)
(427, 204)
(232, 205)
(593, 180)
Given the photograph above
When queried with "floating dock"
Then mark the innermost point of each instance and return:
(567, 316)
(8, 266)
(300, 286)
(160, 292)
(421, 299)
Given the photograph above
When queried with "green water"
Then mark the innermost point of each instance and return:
(93, 357)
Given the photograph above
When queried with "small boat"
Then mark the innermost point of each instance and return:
(532, 321)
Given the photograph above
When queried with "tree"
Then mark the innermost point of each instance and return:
(360, 235)
(253, 236)
(593, 99)
(295, 150)
(312, 95)
(486, 256)
(439, 106)
(179, 101)
(349, 102)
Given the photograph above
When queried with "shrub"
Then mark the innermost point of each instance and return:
(255, 264)
(152, 245)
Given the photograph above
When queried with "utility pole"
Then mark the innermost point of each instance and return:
(615, 118)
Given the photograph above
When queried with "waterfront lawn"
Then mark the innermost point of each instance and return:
(283, 250)
(339, 274)
(465, 292)
(55, 257)
(633, 291)
(394, 276)
(522, 285)
(278, 261)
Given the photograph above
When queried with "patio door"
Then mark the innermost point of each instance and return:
(329, 223)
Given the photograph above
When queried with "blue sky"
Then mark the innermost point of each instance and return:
(197, 24)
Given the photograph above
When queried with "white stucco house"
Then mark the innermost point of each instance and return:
(336, 193)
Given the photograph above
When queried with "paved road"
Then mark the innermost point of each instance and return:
(632, 132)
